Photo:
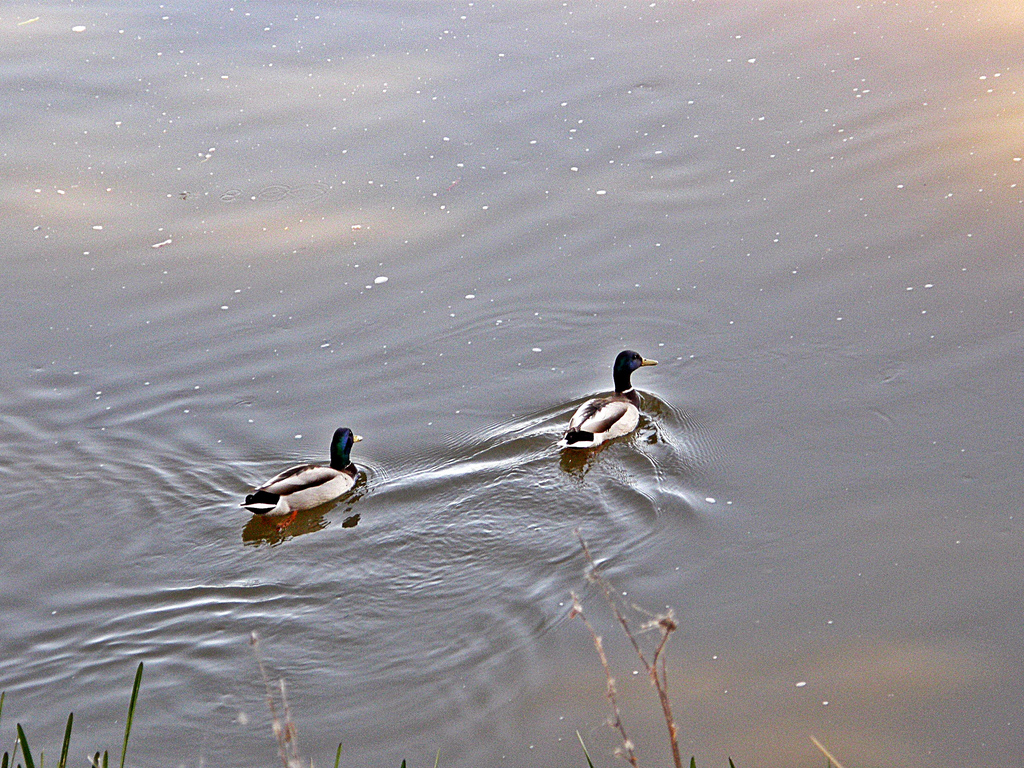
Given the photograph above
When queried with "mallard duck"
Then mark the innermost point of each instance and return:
(604, 418)
(307, 485)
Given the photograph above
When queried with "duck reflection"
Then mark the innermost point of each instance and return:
(264, 530)
(577, 463)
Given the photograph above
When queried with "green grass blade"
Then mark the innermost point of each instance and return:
(337, 757)
(67, 743)
(693, 762)
(585, 753)
(730, 763)
(5, 761)
(438, 758)
(131, 713)
(106, 760)
(29, 762)
(403, 764)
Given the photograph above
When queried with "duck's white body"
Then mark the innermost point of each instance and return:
(604, 418)
(600, 419)
(300, 488)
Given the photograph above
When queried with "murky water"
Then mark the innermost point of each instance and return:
(229, 228)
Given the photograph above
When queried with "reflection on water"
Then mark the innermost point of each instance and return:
(266, 530)
(577, 463)
(227, 230)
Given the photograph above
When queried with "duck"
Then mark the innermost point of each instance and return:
(605, 418)
(307, 486)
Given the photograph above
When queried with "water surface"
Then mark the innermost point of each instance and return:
(230, 228)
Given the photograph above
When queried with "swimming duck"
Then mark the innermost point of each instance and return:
(307, 485)
(604, 418)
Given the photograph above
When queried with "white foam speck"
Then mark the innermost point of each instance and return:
(79, 28)
(537, 349)
(470, 295)
(379, 280)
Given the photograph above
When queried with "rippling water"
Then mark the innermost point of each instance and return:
(231, 228)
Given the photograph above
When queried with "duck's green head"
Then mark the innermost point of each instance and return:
(626, 362)
(341, 446)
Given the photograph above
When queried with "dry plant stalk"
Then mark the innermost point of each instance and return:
(284, 730)
(615, 721)
(666, 625)
(831, 758)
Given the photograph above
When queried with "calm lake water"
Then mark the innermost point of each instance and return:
(230, 227)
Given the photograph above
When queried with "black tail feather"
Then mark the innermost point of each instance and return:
(260, 497)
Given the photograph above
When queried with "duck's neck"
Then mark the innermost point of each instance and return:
(622, 384)
(339, 458)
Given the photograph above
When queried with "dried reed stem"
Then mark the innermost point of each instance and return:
(615, 721)
(831, 758)
(665, 624)
(284, 730)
